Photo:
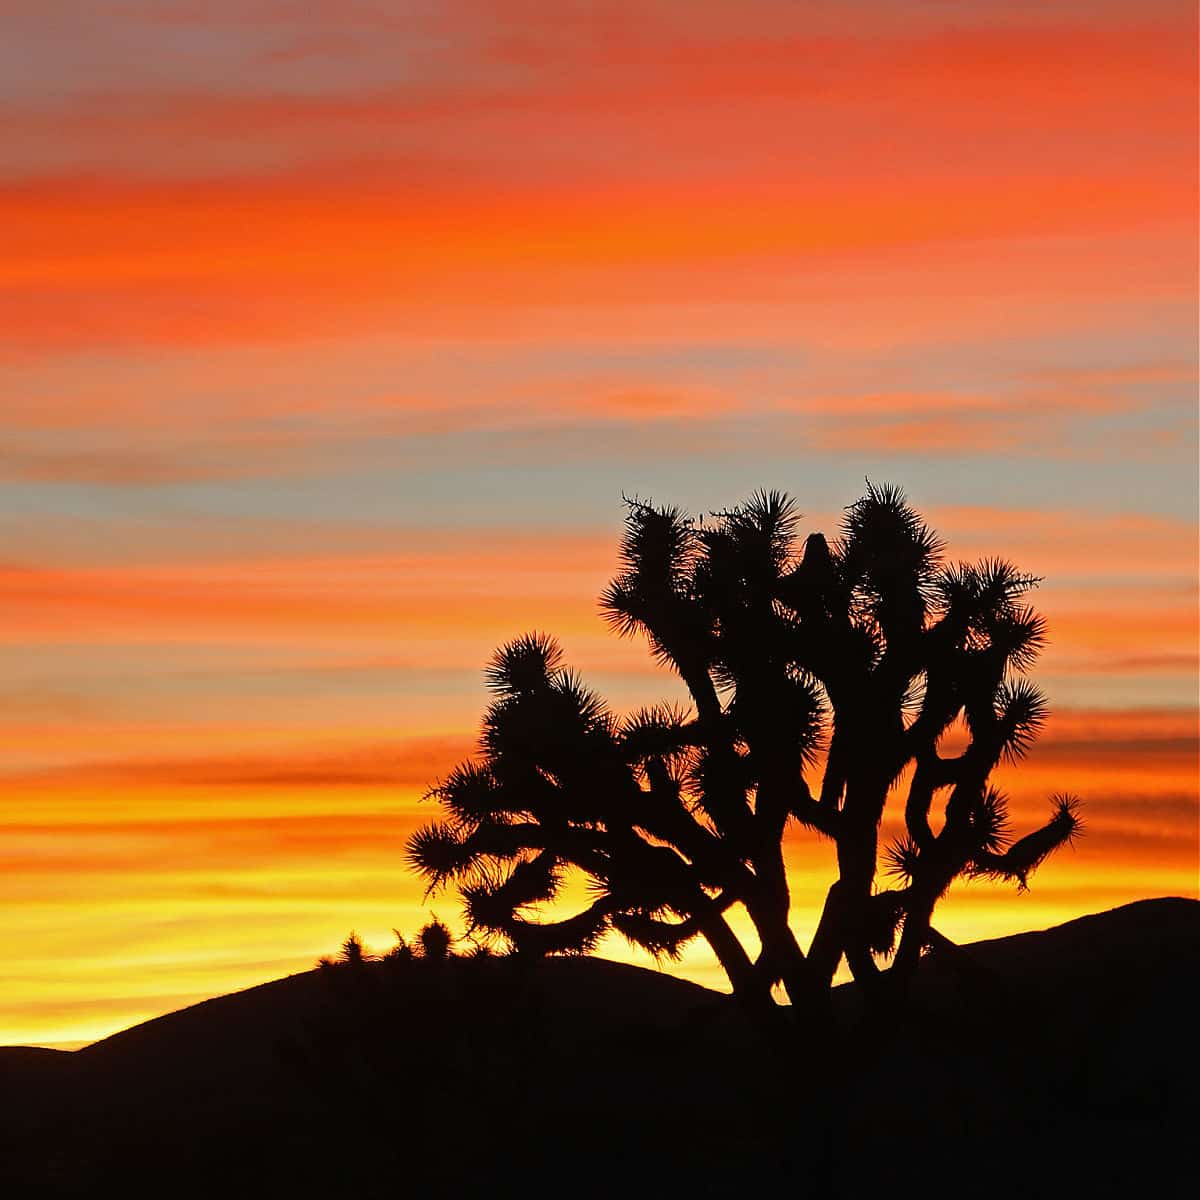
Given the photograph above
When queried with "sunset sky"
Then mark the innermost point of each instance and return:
(332, 333)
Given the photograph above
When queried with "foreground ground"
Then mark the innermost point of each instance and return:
(1061, 1063)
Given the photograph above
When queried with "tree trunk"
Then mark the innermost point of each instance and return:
(750, 989)
(843, 927)
(769, 912)
(825, 951)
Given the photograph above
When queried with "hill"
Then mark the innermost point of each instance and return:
(583, 1076)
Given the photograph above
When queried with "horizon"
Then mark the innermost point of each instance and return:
(376, 959)
(333, 342)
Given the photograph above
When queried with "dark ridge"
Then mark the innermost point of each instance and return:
(1066, 1057)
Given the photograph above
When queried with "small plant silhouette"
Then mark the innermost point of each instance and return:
(433, 943)
(401, 952)
(354, 953)
(435, 940)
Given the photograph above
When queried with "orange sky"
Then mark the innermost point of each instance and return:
(331, 336)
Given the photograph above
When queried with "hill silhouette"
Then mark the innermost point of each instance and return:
(577, 1075)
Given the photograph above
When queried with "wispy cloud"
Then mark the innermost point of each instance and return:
(405, 764)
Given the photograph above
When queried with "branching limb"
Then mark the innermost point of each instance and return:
(1023, 857)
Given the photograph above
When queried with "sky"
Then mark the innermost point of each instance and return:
(331, 336)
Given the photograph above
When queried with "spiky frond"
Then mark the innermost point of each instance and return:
(1017, 634)
(786, 711)
(658, 544)
(480, 908)
(761, 532)
(621, 605)
(805, 714)
(577, 934)
(955, 587)
(437, 853)
(989, 822)
(662, 730)
(504, 840)
(546, 727)
(884, 539)
(715, 778)
(654, 593)
(658, 551)
(981, 598)
(663, 939)
(1022, 710)
(524, 664)
(580, 704)
(470, 792)
(492, 900)
(1001, 583)
(1024, 856)
(900, 858)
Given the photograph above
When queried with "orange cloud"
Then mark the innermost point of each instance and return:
(123, 234)
(655, 87)
(406, 764)
(903, 292)
(450, 605)
(1043, 419)
(503, 180)
(1117, 544)
(408, 590)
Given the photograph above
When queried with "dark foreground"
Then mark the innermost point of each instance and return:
(1064, 1063)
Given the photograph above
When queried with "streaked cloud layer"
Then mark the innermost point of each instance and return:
(331, 336)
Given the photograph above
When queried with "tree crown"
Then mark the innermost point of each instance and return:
(818, 675)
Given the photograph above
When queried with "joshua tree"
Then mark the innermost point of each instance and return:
(817, 681)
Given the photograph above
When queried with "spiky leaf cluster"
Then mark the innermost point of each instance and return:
(561, 787)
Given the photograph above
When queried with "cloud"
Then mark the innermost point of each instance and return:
(487, 84)
(405, 764)
(156, 465)
(497, 178)
(1119, 543)
(471, 582)
(252, 433)
(1070, 414)
(1133, 753)
(1174, 811)
(1109, 634)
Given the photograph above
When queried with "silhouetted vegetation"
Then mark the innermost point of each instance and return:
(434, 943)
(354, 953)
(823, 680)
(517, 1075)
(401, 952)
(863, 656)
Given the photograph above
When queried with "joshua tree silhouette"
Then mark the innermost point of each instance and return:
(858, 654)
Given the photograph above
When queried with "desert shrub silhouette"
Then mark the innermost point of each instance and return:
(821, 680)
(436, 941)
(401, 953)
(433, 943)
(354, 953)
